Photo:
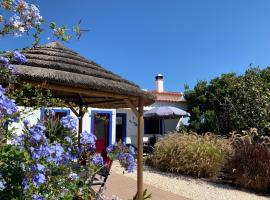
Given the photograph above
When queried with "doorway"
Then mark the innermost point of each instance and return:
(101, 127)
(121, 119)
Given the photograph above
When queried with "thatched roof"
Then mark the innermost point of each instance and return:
(70, 76)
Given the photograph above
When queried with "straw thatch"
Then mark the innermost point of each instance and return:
(72, 76)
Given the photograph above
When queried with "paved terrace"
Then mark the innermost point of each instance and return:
(125, 188)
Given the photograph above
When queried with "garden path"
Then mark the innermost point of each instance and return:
(125, 187)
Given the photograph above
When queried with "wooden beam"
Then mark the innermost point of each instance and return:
(80, 91)
(105, 101)
(73, 110)
(140, 151)
(132, 106)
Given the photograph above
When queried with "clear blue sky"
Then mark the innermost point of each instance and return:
(186, 40)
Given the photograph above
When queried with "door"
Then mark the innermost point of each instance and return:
(120, 127)
(101, 131)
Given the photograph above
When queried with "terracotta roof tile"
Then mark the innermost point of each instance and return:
(169, 96)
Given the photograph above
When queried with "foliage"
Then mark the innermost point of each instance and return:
(231, 103)
(41, 167)
(39, 97)
(23, 18)
(11, 171)
(146, 195)
(59, 129)
(249, 167)
(190, 154)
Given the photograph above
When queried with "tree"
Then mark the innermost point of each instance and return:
(231, 103)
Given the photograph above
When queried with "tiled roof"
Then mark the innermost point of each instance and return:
(169, 96)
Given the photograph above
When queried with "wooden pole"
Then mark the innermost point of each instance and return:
(81, 114)
(140, 151)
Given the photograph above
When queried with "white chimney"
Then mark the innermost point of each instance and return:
(159, 83)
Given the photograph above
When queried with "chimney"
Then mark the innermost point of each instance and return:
(159, 83)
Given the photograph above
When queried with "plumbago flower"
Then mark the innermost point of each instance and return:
(88, 141)
(20, 58)
(124, 154)
(69, 122)
(7, 70)
(24, 17)
(98, 160)
(8, 108)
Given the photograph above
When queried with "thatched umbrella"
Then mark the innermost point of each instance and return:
(76, 79)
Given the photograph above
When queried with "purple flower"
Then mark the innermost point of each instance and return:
(69, 122)
(4, 61)
(39, 152)
(127, 161)
(19, 140)
(20, 58)
(37, 197)
(131, 150)
(38, 167)
(39, 179)
(2, 184)
(37, 133)
(12, 69)
(7, 106)
(26, 122)
(110, 148)
(73, 176)
(68, 139)
(57, 153)
(88, 139)
(25, 184)
(98, 160)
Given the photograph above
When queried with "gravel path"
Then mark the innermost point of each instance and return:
(191, 188)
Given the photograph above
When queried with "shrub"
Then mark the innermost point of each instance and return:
(190, 154)
(249, 167)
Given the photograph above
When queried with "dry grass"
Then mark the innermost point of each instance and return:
(191, 154)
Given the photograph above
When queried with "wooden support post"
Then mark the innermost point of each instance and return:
(81, 114)
(140, 151)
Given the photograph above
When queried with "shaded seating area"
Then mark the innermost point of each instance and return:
(82, 83)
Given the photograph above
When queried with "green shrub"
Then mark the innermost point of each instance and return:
(190, 154)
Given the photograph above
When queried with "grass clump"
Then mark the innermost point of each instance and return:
(190, 154)
(249, 166)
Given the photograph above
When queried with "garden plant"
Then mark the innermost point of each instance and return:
(43, 161)
(191, 154)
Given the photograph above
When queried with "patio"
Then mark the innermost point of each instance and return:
(116, 182)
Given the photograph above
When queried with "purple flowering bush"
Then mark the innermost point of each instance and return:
(55, 169)
(125, 155)
(7, 70)
(44, 161)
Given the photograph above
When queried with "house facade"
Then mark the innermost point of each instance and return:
(113, 125)
(153, 127)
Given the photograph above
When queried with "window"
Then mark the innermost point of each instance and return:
(58, 114)
(153, 126)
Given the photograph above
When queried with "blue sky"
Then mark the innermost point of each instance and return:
(185, 40)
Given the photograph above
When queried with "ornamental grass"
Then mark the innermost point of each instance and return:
(191, 154)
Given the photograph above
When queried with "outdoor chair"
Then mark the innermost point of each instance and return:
(98, 181)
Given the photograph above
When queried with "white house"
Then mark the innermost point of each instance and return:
(112, 125)
(126, 123)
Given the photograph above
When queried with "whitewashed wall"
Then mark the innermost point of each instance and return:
(132, 122)
(132, 126)
(34, 115)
